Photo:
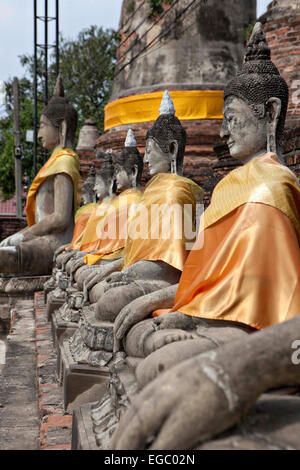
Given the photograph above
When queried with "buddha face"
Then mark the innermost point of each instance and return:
(122, 178)
(100, 188)
(245, 133)
(86, 196)
(48, 133)
(158, 161)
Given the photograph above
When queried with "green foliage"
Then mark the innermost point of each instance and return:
(87, 69)
(247, 31)
(156, 8)
(130, 7)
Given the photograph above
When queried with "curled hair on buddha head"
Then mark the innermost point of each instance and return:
(168, 128)
(130, 156)
(259, 80)
(89, 183)
(106, 171)
(58, 109)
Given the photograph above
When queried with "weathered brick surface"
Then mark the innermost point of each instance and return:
(283, 36)
(55, 430)
(10, 225)
(19, 414)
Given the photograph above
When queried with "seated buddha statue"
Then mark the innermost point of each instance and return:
(82, 215)
(107, 250)
(88, 197)
(103, 189)
(154, 259)
(104, 194)
(241, 280)
(52, 197)
(100, 251)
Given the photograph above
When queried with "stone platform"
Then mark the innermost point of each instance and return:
(31, 406)
(81, 383)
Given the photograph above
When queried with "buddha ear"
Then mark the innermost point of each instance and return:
(173, 155)
(273, 110)
(134, 176)
(63, 134)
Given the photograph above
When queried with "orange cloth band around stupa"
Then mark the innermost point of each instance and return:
(189, 104)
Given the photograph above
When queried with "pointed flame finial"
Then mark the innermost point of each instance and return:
(130, 139)
(167, 105)
(59, 88)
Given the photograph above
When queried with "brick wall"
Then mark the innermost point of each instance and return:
(10, 225)
(283, 36)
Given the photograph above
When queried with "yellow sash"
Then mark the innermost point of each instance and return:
(261, 180)
(164, 191)
(248, 268)
(90, 235)
(81, 219)
(61, 161)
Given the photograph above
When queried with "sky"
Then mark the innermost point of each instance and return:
(16, 25)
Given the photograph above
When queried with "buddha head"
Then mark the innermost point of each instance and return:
(87, 191)
(58, 120)
(128, 165)
(255, 103)
(165, 141)
(104, 182)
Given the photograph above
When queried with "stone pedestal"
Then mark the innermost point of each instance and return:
(81, 383)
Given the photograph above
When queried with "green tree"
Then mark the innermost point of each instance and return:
(87, 68)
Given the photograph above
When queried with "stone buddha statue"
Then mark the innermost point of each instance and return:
(65, 258)
(127, 173)
(82, 215)
(106, 252)
(150, 264)
(52, 197)
(100, 188)
(245, 277)
(154, 262)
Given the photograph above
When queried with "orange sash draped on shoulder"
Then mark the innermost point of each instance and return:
(112, 230)
(247, 267)
(92, 230)
(62, 160)
(163, 193)
(81, 219)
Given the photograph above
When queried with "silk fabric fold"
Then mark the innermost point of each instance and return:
(245, 265)
(112, 228)
(81, 219)
(164, 192)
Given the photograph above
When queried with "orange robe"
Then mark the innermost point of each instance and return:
(245, 265)
(109, 245)
(81, 219)
(62, 160)
(163, 192)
